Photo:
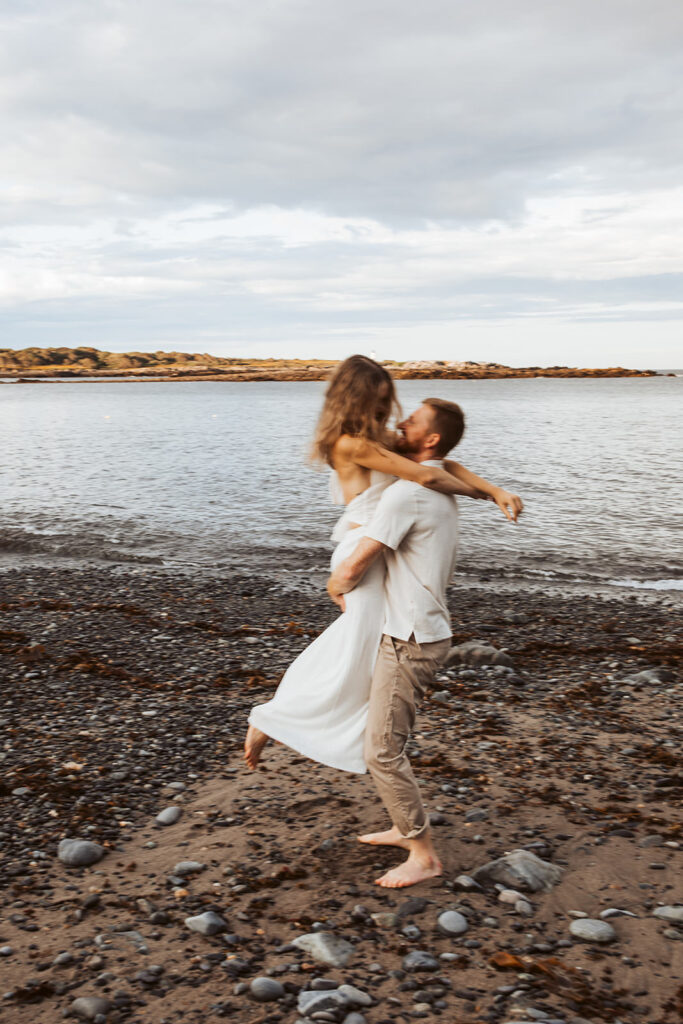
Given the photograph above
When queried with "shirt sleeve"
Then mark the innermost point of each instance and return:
(394, 516)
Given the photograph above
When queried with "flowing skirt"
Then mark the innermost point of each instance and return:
(321, 705)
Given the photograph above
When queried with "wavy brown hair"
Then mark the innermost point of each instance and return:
(359, 401)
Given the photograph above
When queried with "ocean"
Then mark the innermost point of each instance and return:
(205, 476)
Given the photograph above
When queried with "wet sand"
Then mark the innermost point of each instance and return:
(116, 686)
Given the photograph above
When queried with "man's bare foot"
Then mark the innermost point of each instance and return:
(253, 745)
(390, 838)
(413, 870)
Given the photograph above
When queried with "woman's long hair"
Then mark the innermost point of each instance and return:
(359, 401)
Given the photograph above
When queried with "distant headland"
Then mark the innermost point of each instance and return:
(85, 363)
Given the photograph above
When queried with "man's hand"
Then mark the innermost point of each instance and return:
(511, 505)
(335, 593)
(350, 572)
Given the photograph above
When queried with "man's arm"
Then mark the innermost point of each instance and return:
(350, 572)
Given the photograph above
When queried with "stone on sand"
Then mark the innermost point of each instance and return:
(79, 853)
(326, 947)
(589, 929)
(208, 923)
(520, 869)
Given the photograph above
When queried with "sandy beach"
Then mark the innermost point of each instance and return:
(125, 694)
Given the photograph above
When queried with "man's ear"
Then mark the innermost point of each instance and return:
(432, 441)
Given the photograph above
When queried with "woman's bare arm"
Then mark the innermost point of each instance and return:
(511, 505)
(371, 455)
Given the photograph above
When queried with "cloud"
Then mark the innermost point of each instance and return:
(377, 163)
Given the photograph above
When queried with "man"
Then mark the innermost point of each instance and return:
(416, 531)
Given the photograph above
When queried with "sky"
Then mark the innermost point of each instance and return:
(455, 179)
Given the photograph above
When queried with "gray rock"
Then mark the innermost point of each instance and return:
(651, 677)
(520, 869)
(420, 960)
(653, 840)
(6, 951)
(89, 1007)
(266, 990)
(477, 814)
(79, 853)
(207, 923)
(524, 908)
(326, 947)
(674, 915)
(589, 929)
(319, 1002)
(411, 931)
(169, 815)
(451, 923)
(475, 652)
(354, 1018)
(63, 960)
(188, 867)
(615, 912)
(466, 883)
(354, 996)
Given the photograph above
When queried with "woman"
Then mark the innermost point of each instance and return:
(320, 706)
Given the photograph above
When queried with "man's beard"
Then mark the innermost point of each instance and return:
(403, 445)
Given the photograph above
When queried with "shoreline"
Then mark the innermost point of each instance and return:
(62, 377)
(135, 688)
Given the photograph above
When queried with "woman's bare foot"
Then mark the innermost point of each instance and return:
(253, 745)
(390, 838)
(413, 870)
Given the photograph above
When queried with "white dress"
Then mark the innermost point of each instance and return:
(321, 705)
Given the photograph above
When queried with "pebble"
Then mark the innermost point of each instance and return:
(588, 929)
(451, 923)
(509, 896)
(79, 853)
(354, 995)
(317, 1002)
(326, 947)
(674, 915)
(385, 921)
(524, 908)
(354, 1018)
(615, 912)
(478, 814)
(521, 868)
(169, 815)
(63, 960)
(6, 951)
(411, 931)
(420, 960)
(90, 1007)
(266, 990)
(188, 867)
(466, 883)
(208, 923)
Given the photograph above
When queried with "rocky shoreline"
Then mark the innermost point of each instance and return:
(93, 364)
(555, 733)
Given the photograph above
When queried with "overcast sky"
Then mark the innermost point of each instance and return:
(451, 180)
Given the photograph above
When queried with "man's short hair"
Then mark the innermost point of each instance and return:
(449, 423)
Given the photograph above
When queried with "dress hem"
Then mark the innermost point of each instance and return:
(318, 756)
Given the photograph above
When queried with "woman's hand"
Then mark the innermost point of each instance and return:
(511, 505)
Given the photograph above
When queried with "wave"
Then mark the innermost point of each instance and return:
(647, 584)
(90, 546)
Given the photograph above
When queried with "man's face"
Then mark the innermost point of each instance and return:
(413, 431)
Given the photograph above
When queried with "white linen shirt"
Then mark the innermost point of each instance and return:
(419, 528)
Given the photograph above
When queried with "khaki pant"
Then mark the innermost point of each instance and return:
(402, 671)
